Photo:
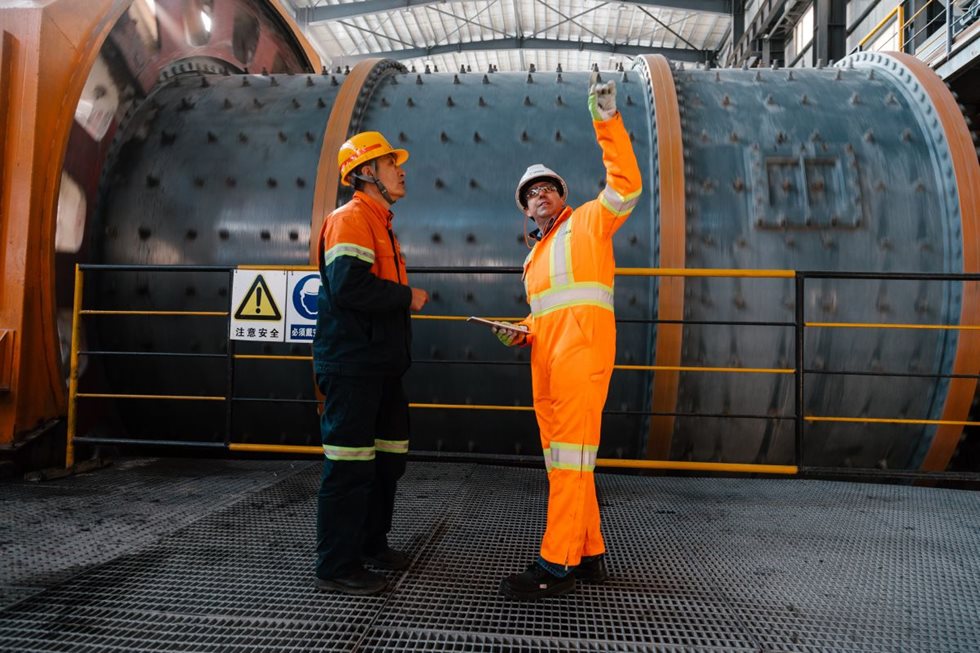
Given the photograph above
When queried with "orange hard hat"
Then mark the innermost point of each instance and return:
(364, 147)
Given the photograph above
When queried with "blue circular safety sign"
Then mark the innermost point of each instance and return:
(305, 296)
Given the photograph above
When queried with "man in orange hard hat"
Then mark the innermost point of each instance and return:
(360, 353)
(568, 278)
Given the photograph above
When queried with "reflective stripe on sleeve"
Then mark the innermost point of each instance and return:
(573, 457)
(391, 446)
(619, 204)
(365, 254)
(348, 453)
(547, 459)
(576, 294)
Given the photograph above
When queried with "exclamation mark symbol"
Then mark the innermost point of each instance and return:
(258, 300)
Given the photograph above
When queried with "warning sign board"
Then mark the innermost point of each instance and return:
(302, 292)
(258, 304)
(256, 298)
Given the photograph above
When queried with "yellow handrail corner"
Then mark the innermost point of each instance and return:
(73, 370)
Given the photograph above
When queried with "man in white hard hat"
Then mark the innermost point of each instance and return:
(568, 278)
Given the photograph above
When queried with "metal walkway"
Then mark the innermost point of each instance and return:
(211, 555)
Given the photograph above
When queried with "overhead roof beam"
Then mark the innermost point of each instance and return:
(668, 28)
(571, 19)
(379, 35)
(520, 29)
(677, 54)
(463, 20)
(323, 13)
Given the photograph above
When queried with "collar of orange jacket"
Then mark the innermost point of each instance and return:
(376, 208)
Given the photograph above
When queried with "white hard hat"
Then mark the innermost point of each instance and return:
(535, 173)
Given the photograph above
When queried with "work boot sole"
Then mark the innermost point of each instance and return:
(334, 586)
(564, 587)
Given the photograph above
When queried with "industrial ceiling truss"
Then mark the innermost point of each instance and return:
(513, 34)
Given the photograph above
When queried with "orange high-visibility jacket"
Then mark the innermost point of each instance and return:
(569, 274)
(568, 277)
(363, 325)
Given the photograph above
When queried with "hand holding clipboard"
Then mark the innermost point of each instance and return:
(511, 335)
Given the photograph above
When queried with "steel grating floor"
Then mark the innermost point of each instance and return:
(192, 555)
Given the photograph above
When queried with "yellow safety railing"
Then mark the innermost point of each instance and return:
(897, 14)
(74, 395)
(158, 313)
(73, 371)
(76, 325)
(892, 325)
(612, 463)
(940, 33)
(706, 272)
(896, 420)
(106, 395)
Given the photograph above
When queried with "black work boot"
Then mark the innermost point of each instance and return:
(536, 582)
(387, 558)
(592, 569)
(359, 582)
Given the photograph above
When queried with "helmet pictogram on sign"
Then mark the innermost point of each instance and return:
(305, 295)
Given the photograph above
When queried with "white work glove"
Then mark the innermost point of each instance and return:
(510, 337)
(602, 99)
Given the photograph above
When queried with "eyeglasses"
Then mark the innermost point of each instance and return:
(537, 190)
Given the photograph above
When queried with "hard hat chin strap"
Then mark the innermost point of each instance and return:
(377, 182)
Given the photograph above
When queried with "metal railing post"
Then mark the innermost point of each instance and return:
(230, 369)
(73, 370)
(798, 402)
(949, 29)
(901, 27)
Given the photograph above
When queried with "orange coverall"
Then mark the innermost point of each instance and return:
(568, 277)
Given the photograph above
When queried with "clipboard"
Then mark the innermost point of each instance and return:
(507, 326)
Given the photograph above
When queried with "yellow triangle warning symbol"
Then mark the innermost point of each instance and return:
(259, 304)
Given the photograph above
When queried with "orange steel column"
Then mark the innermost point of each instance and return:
(6, 335)
(670, 151)
(966, 168)
(297, 33)
(47, 51)
(328, 174)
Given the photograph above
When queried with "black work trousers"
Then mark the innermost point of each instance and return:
(364, 429)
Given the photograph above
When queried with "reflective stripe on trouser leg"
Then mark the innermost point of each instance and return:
(348, 453)
(573, 457)
(573, 528)
(348, 479)
(391, 444)
(358, 483)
